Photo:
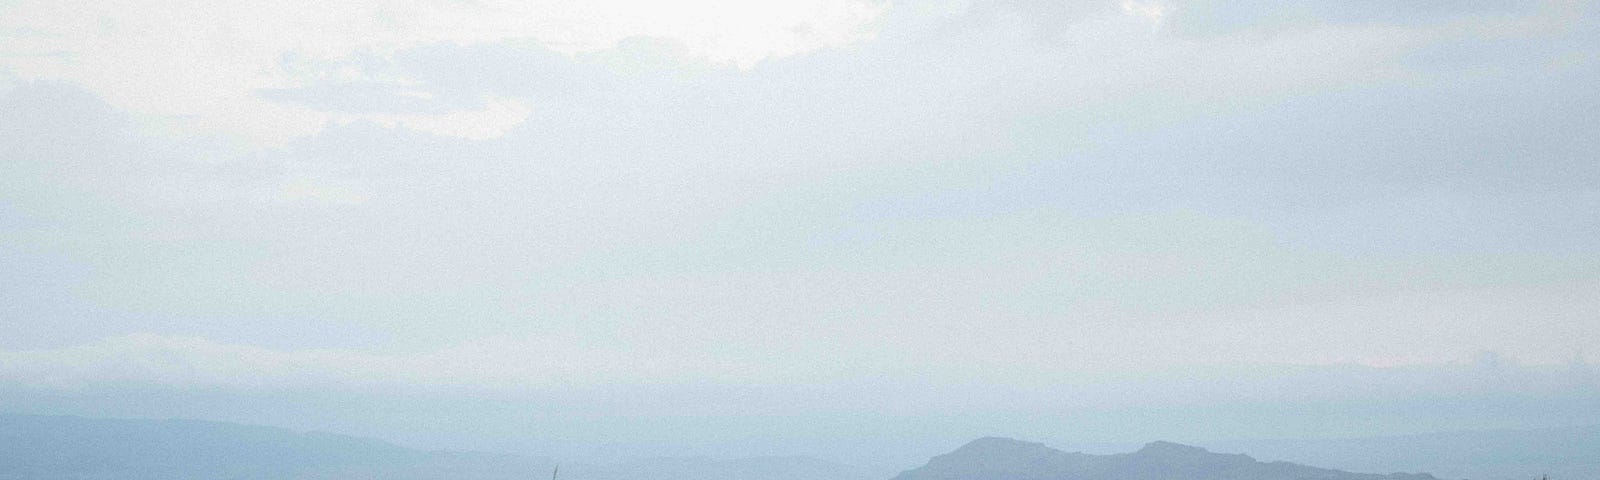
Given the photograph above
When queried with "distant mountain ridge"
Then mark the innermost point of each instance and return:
(758, 468)
(37, 447)
(1003, 458)
(1563, 453)
(63, 447)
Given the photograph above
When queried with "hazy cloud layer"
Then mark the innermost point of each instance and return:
(973, 199)
(515, 367)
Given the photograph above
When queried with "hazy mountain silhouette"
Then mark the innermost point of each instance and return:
(54, 447)
(763, 468)
(1565, 453)
(57, 448)
(1003, 458)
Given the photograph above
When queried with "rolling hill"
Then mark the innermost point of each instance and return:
(1002, 458)
(60, 448)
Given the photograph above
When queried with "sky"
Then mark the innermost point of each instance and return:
(858, 229)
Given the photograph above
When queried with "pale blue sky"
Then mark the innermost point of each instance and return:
(997, 202)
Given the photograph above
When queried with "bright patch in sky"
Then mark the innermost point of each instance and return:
(1151, 11)
(200, 65)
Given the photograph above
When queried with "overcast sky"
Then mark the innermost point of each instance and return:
(806, 209)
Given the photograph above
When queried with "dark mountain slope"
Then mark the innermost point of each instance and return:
(999, 458)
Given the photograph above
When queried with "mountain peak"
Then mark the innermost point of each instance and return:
(1169, 448)
(992, 443)
(998, 448)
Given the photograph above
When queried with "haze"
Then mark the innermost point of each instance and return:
(862, 230)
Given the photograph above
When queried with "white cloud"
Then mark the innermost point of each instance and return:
(199, 64)
(497, 117)
(1150, 11)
